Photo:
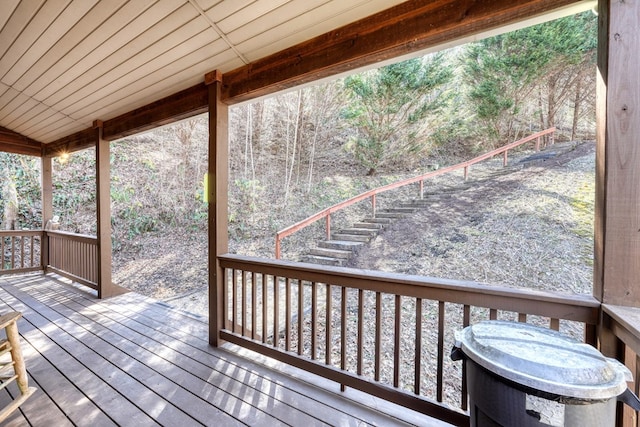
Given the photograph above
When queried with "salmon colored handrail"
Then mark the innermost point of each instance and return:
(326, 213)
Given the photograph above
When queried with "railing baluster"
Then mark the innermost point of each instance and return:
(265, 329)
(417, 365)
(360, 330)
(314, 319)
(225, 297)
(493, 314)
(522, 317)
(440, 366)
(13, 252)
(245, 306)
(287, 320)
(328, 328)
(234, 303)
(554, 324)
(396, 343)
(466, 321)
(254, 302)
(276, 311)
(300, 316)
(343, 332)
(22, 252)
(378, 336)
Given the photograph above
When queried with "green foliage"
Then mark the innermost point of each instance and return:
(389, 110)
(23, 174)
(505, 72)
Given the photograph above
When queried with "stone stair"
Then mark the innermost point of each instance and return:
(345, 243)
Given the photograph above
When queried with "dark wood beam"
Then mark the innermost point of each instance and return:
(406, 28)
(13, 142)
(182, 105)
(74, 142)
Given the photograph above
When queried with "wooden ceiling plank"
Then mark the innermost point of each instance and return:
(24, 118)
(226, 8)
(6, 105)
(71, 40)
(35, 123)
(96, 54)
(172, 47)
(52, 78)
(135, 50)
(405, 28)
(178, 77)
(8, 7)
(307, 26)
(207, 4)
(8, 96)
(32, 32)
(19, 19)
(71, 15)
(143, 77)
(17, 111)
(287, 13)
(54, 121)
(248, 14)
(69, 128)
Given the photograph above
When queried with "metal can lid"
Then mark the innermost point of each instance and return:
(543, 359)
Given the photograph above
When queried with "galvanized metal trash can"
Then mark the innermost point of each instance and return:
(523, 375)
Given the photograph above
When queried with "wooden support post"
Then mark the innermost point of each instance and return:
(218, 201)
(328, 226)
(47, 208)
(103, 200)
(617, 205)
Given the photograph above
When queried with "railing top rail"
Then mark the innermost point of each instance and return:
(20, 232)
(582, 308)
(73, 236)
(327, 211)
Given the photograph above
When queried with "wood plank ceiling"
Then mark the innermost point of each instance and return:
(66, 63)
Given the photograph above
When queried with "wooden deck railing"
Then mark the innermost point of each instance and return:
(620, 339)
(20, 251)
(74, 256)
(359, 328)
(371, 194)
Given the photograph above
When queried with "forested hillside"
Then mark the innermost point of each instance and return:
(301, 151)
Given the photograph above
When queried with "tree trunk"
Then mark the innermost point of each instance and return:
(576, 110)
(11, 206)
(551, 102)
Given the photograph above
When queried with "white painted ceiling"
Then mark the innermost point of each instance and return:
(66, 63)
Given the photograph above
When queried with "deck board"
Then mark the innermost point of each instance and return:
(131, 360)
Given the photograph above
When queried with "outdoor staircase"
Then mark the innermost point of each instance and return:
(345, 243)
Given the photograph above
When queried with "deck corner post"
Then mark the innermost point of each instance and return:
(218, 202)
(103, 212)
(47, 208)
(617, 203)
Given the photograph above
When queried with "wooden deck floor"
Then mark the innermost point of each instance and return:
(133, 361)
